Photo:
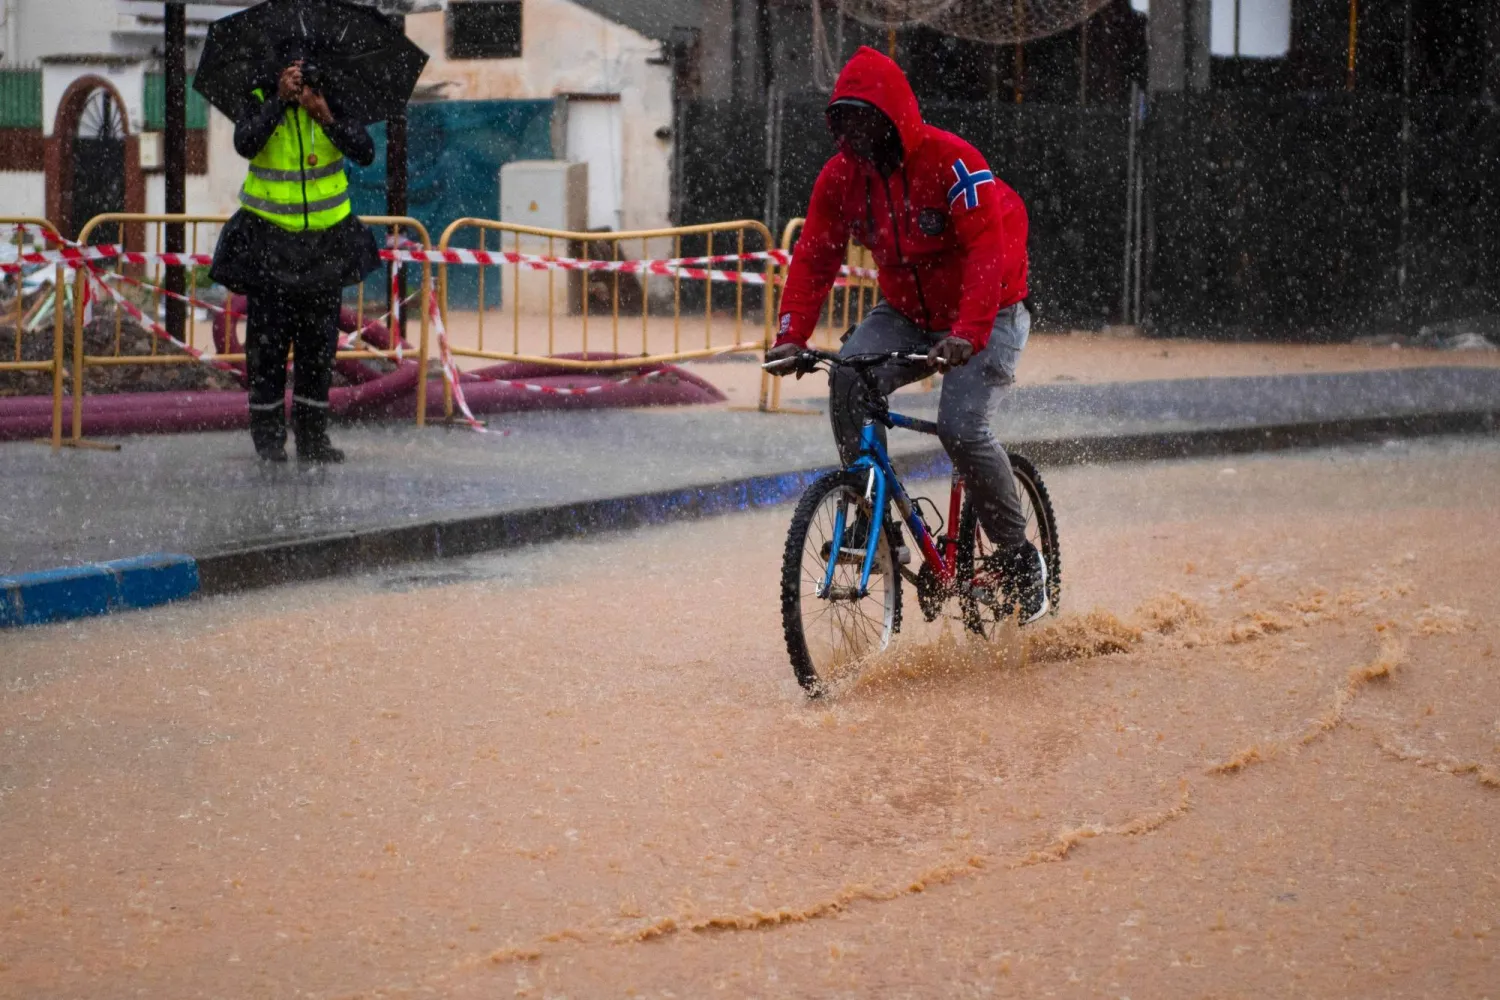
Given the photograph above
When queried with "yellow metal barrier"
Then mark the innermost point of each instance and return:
(846, 305)
(150, 293)
(541, 327)
(23, 227)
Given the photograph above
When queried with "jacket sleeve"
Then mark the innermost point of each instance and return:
(352, 140)
(817, 257)
(981, 237)
(251, 134)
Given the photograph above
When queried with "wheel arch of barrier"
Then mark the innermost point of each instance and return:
(50, 234)
(99, 278)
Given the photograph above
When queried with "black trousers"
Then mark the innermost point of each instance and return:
(278, 322)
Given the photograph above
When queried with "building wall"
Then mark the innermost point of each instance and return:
(569, 50)
(23, 193)
(55, 27)
(35, 29)
(216, 192)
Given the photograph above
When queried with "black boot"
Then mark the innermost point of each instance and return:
(310, 426)
(268, 431)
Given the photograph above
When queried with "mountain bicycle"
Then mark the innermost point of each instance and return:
(836, 610)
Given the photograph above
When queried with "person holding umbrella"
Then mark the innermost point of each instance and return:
(301, 79)
(290, 250)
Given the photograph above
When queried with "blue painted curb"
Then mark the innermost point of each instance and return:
(96, 588)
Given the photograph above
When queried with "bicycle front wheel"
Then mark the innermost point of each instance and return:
(829, 635)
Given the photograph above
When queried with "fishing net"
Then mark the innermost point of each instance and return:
(999, 22)
(894, 13)
(1008, 21)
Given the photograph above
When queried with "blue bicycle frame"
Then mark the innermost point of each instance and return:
(881, 487)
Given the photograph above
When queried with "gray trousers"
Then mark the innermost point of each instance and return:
(963, 408)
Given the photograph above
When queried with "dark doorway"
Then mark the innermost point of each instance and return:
(99, 165)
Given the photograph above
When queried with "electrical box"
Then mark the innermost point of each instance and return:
(152, 154)
(550, 194)
(546, 194)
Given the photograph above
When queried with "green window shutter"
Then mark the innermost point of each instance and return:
(156, 104)
(155, 109)
(20, 98)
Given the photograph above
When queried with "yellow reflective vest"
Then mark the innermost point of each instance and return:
(297, 180)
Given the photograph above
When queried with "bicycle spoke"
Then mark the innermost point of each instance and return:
(840, 629)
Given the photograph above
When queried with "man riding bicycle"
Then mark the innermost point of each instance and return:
(950, 242)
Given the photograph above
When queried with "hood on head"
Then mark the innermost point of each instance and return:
(870, 76)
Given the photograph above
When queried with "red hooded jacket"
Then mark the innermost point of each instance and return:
(949, 238)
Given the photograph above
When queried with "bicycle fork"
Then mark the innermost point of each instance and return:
(875, 496)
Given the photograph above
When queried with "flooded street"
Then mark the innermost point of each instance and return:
(1258, 754)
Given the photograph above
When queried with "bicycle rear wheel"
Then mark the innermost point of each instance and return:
(828, 636)
(981, 616)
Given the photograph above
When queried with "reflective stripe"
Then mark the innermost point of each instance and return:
(268, 406)
(312, 174)
(276, 208)
(321, 404)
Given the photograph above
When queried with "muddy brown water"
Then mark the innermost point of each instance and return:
(1257, 755)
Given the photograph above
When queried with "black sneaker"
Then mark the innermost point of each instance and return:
(1023, 582)
(274, 453)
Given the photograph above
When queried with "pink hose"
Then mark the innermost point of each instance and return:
(386, 396)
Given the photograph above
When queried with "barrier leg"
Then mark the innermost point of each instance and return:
(423, 346)
(59, 305)
(77, 439)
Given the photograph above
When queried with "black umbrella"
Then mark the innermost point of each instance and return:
(352, 54)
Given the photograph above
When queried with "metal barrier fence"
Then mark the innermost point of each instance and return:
(19, 243)
(133, 281)
(606, 287)
(585, 322)
(856, 293)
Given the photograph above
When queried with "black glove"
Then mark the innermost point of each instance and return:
(950, 352)
(786, 354)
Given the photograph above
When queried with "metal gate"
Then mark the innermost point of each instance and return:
(99, 165)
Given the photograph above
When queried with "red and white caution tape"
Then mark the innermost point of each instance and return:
(538, 262)
(347, 340)
(150, 324)
(169, 259)
(692, 268)
(450, 368)
(67, 255)
(563, 390)
(158, 290)
(395, 310)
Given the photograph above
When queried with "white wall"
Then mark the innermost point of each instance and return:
(23, 194)
(94, 27)
(218, 191)
(567, 49)
(59, 27)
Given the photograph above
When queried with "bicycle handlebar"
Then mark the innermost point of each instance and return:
(808, 359)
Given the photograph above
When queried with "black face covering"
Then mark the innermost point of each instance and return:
(864, 131)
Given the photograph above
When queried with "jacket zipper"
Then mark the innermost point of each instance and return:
(896, 229)
(302, 168)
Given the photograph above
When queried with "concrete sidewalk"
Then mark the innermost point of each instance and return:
(406, 494)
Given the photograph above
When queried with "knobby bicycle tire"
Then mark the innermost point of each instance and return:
(1029, 483)
(792, 581)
